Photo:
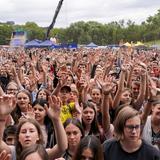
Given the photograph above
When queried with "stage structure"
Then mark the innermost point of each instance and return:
(54, 18)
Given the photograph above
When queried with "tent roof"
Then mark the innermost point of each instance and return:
(139, 44)
(91, 45)
(33, 43)
(127, 44)
(46, 43)
(155, 46)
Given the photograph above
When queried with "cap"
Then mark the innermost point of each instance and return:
(66, 88)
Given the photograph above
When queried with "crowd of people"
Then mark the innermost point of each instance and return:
(81, 104)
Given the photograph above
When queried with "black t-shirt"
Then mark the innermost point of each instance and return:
(156, 139)
(114, 151)
(67, 155)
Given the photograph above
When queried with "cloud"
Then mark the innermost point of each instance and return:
(6, 6)
(104, 11)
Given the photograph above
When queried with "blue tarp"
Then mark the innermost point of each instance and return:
(91, 45)
(56, 46)
(46, 43)
(72, 46)
(33, 44)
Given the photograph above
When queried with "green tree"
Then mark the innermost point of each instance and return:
(5, 34)
(34, 31)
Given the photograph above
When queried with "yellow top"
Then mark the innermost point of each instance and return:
(66, 111)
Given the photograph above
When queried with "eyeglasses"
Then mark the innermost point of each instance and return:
(132, 127)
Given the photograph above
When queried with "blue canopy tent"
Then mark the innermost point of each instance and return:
(156, 46)
(91, 45)
(33, 44)
(46, 43)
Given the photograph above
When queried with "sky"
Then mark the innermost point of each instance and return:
(103, 11)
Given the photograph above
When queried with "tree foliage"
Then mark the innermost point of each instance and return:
(5, 33)
(84, 32)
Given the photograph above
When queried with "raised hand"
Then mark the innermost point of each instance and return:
(108, 85)
(7, 104)
(54, 107)
(143, 65)
(14, 71)
(124, 68)
(62, 76)
(153, 87)
(5, 156)
(44, 67)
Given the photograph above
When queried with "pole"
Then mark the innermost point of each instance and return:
(54, 18)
